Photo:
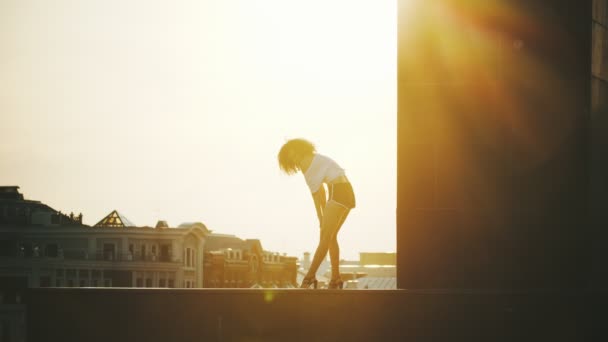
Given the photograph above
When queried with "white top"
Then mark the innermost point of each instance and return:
(322, 169)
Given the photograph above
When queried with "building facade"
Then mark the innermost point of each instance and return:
(40, 247)
(231, 262)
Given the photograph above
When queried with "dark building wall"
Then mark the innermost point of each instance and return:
(493, 149)
(15, 283)
(599, 142)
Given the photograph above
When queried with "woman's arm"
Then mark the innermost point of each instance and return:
(320, 200)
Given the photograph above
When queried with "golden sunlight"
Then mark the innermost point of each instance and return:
(175, 111)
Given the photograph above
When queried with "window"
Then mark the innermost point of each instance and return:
(50, 250)
(164, 253)
(45, 281)
(77, 254)
(148, 282)
(171, 283)
(253, 263)
(154, 255)
(161, 283)
(26, 249)
(189, 257)
(7, 248)
(109, 251)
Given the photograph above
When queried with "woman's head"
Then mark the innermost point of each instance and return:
(292, 152)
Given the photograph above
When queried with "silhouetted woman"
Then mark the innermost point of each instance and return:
(332, 209)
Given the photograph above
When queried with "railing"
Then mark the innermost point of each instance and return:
(102, 256)
(151, 257)
(113, 256)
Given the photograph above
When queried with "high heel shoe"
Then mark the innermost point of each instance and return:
(308, 282)
(335, 284)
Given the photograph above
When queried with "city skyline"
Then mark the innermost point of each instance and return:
(127, 223)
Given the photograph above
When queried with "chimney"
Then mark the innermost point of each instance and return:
(10, 193)
(306, 261)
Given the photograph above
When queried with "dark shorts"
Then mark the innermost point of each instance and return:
(343, 194)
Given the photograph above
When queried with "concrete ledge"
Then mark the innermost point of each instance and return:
(312, 315)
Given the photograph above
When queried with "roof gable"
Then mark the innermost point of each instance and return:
(114, 220)
(216, 242)
(254, 245)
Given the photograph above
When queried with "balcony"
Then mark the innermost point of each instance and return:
(110, 256)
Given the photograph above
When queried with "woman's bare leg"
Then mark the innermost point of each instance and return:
(334, 250)
(332, 218)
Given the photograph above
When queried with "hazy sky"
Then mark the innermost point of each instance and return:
(176, 110)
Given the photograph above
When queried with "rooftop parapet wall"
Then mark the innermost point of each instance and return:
(311, 315)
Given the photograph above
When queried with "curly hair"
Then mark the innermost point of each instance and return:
(294, 146)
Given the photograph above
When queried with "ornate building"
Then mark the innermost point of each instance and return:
(236, 263)
(41, 247)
